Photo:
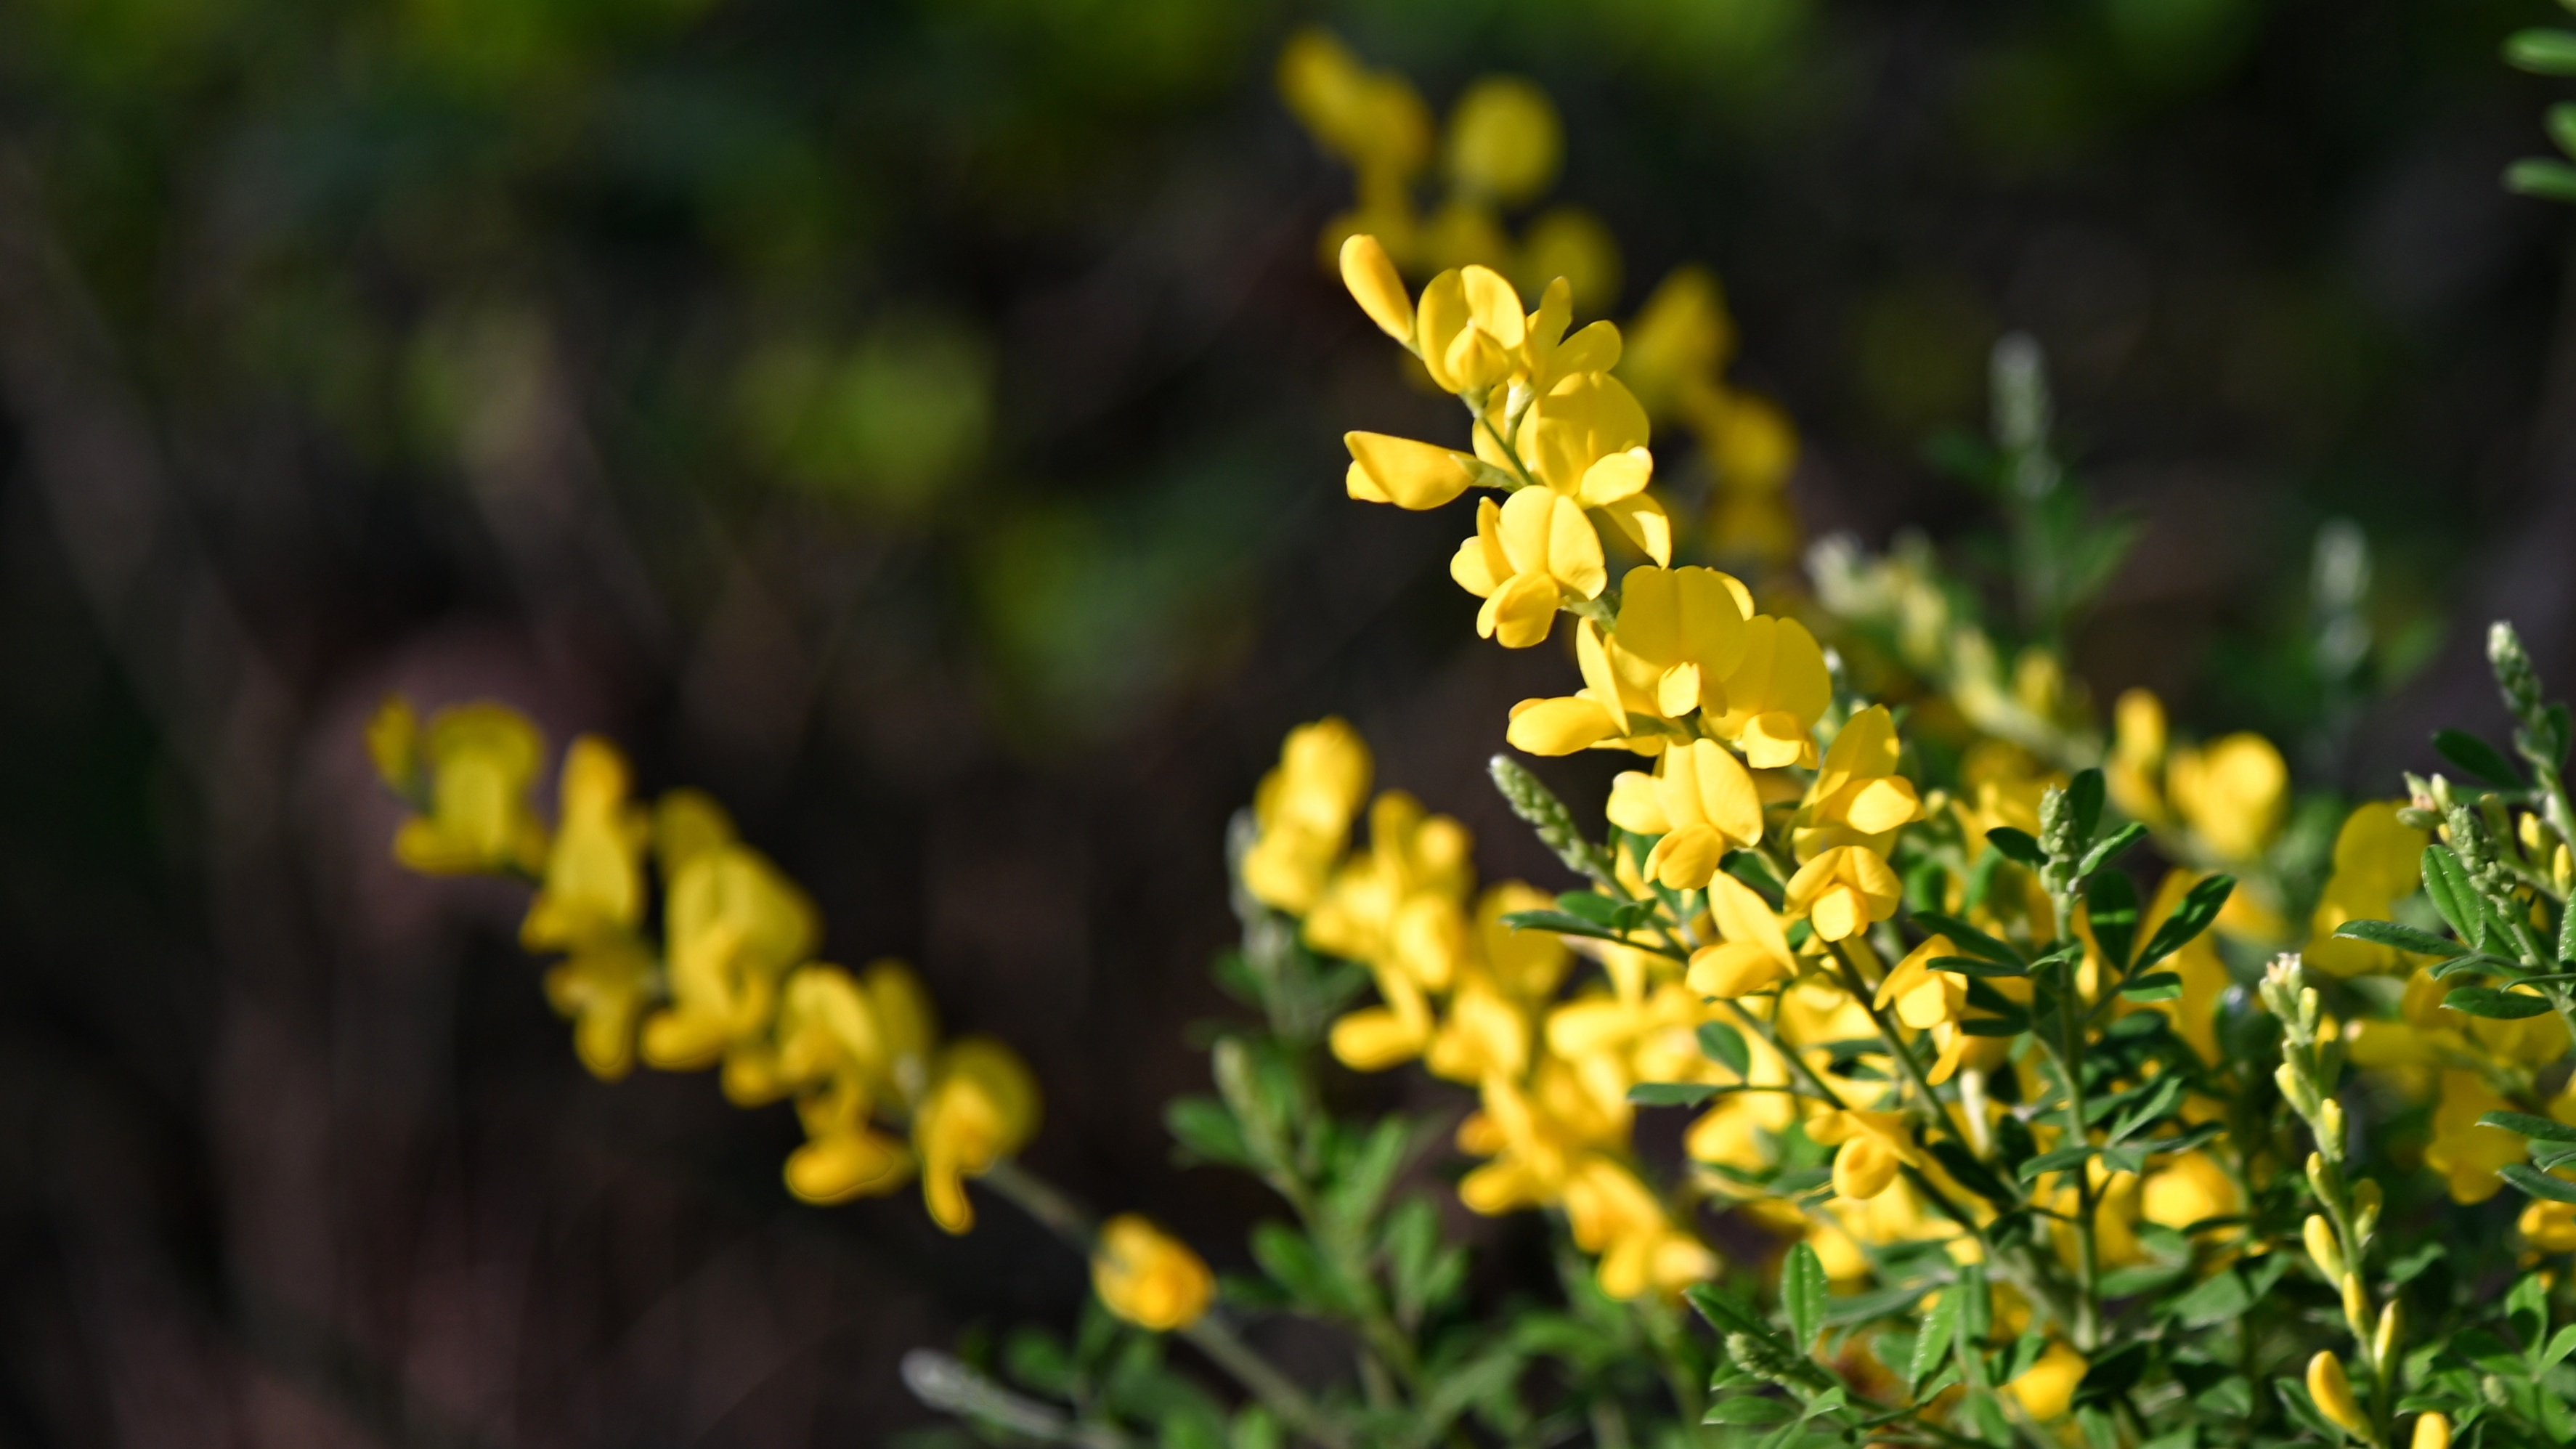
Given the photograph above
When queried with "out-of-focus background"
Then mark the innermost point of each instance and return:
(918, 423)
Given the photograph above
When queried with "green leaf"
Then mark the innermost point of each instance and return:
(2496, 1005)
(2473, 754)
(2111, 906)
(2294, 1397)
(1292, 1261)
(2147, 1113)
(1975, 966)
(1591, 906)
(2526, 1308)
(2058, 1161)
(1751, 1409)
(1967, 938)
(2215, 1299)
(1725, 1312)
(2013, 1025)
(1932, 1344)
(2191, 916)
(2154, 986)
(2561, 1344)
(2541, 51)
(1361, 1181)
(2530, 1126)
(2017, 846)
(1206, 1129)
(2446, 884)
(1564, 924)
(2108, 849)
(1671, 1094)
(2404, 938)
(2537, 1183)
(2084, 798)
(1725, 1046)
(1802, 1293)
(2113, 1374)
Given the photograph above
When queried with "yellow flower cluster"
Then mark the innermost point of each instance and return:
(1477, 1003)
(1502, 150)
(733, 980)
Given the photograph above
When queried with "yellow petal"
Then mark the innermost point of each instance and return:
(1414, 475)
(1643, 520)
(1594, 662)
(1616, 476)
(1559, 726)
(1495, 307)
(1371, 276)
(1734, 968)
(1774, 740)
(1687, 858)
(1882, 805)
(1521, 612)
(1573, 548)
(1441, 315)
(1742, 915)
(1633, 806)
(1361, 487)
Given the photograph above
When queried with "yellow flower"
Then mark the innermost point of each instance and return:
(1409, 474)
(1504, 140)
(1303, 810)
(2432, 1431)
(1401, 904)
(1843, 890)
(1753, 950)
(982, 1107)
(1147, 1277)
(733, 925)
(1527, 556)
(588, 906)
(834, 1051)
(2192, 1188)
(479, 760)
(1372, 119)
(2549, 1227)
(2046, 1388)
(2136, 767)
(2466, 1154)
(1924, 998)
(1874, 1147)
(1686, 627)
(1371, 277)
(1609, 1212)
(2232, 792)
(2377, 860)
(1858, 798)
(1775, 695)
(1584, 439)
(1700, 801)
(2331, 1388)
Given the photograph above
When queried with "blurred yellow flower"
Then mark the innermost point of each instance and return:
(1149, 1278)
(2047, 1387)
(1843, 890)
(982, 1107)
(2232, 791)
(1303, 811)
(478, 761)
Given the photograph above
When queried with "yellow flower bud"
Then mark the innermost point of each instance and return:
(1371, 276)
(2322, 1248)
(1148, 1277)
(1409, 474)
(2433, 1431)
(2392, 1324)
(2332, 1390)
(2356, 1303)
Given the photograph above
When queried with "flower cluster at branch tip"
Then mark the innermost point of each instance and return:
(733, 981)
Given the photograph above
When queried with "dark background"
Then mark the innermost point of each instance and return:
(918, 423)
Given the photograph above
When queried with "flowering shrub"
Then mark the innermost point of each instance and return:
(2048, 1083)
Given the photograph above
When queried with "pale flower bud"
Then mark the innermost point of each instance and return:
(2322, 1248)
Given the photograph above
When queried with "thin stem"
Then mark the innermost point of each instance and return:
(1059, 1213)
